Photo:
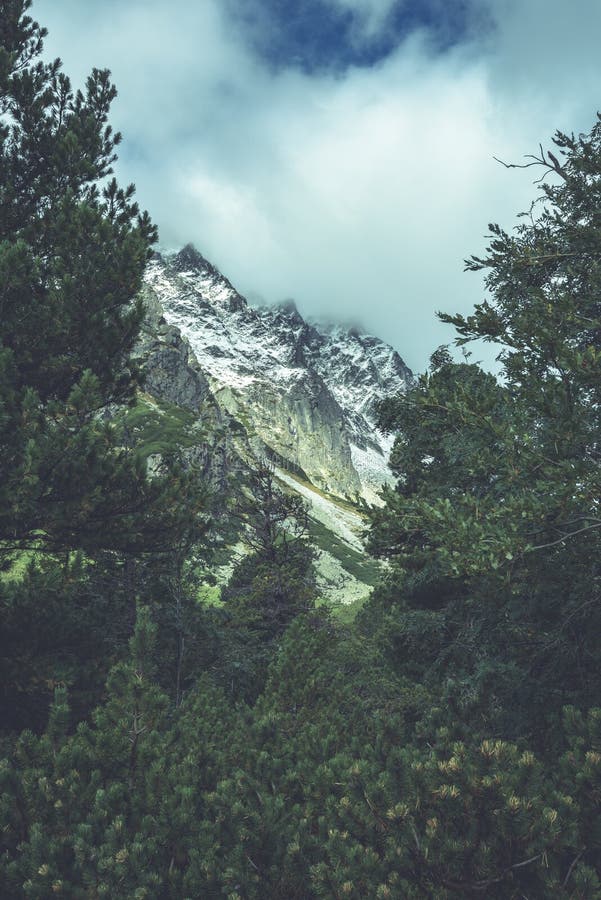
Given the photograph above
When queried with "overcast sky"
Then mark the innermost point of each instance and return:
(339, 152)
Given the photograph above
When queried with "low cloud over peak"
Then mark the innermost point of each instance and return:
(357, 187)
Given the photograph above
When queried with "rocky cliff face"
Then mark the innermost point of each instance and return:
(175, 385)
(171, 371)
(302, 393)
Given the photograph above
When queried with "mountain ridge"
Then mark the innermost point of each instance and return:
(303, 390)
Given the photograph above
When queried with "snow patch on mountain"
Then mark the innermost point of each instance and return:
(304, 391)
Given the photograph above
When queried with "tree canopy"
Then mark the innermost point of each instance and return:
(495, 519)
(73, 247)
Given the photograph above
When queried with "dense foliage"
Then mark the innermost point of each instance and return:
(444, 745)
(495, 517)
(77, 510)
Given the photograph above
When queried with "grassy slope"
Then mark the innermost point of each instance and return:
(156, 427)
(359, 565)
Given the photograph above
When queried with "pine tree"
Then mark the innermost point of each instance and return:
(494, 519)
(73, 246)
(275, 581)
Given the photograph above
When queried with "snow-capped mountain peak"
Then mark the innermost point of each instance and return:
(304, 391)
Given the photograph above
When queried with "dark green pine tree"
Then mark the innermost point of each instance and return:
(73, 246)
(271, 584)
(80, 819)
(445, 626)
(494, 521)
(275, 581)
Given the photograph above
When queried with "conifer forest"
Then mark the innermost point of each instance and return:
(444, 741)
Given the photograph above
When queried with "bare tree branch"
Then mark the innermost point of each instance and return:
(565, 537)
(551, 164)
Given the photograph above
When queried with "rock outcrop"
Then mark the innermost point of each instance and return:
(174, 381)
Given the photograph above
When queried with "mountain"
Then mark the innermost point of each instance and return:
(304, 392)
(227, 383)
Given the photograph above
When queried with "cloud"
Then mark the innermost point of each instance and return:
(371, 15)
(357, 191)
